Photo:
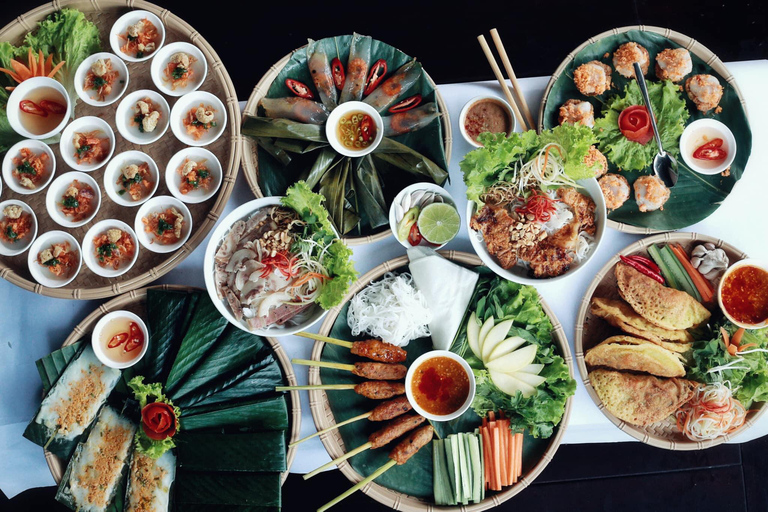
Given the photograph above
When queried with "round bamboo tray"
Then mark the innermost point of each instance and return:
(150, 266)
(250, 150)
(686, 42)
(323, 416)
(135, 301)
(591, 330)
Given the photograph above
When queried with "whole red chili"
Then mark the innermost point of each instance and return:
(158, 421)
(642, 269)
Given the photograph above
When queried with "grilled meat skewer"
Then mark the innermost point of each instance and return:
(367, 370)
(373, 389)
(376, 350)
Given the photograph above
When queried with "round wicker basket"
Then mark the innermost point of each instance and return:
(135, 301)
(323, 416)
(591, 330)
(250, 150)
(686, 42)
(150, 266)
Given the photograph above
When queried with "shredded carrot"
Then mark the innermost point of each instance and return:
(736, 340)
(726, 338)
(732, 349)
(745, 347)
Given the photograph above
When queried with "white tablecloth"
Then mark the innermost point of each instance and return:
(31, 326)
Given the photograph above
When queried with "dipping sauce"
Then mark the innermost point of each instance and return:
(487, 115)
(42, 110)
(708, 148)
(122, 340)
(440, 386)
(356, 130)
(745, 295)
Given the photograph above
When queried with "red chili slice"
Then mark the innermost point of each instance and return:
(117, 340)
(406, 104)
(337, 70)
(299, 89)
(30, 107)
(635, 124)
(375, 76)
(367, 128)
(54, 107)
(712, 150)
(414, 235)
(132, 344)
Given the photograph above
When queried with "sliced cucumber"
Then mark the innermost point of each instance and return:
(686, 283)
(654, 252)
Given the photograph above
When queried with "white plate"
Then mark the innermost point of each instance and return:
(40, 273)
(519, 274)
(9, 249)
(159, 204)
(85, 125)
(99, 327)
(120, 29)
(125, 114)
(89, 249)
(55, 194)
(223, 227)
(193, 100)
(429, 187)
(37, 147)
(173, 177)
(163, 57)
(118, 88)
(22, 91)
(114, 170)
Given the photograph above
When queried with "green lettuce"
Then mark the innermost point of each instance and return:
(671, 115)
(145, 394)
(576, 141)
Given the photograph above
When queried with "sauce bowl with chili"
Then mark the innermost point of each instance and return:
(440, 385)
(120, 339)
(35, 121)
(360, 118)
(485, 114)
(743, 294)
(708, 146)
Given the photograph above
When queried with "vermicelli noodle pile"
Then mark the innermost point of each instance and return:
(711, 413)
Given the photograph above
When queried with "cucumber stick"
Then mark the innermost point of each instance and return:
(451, 458)
(681, 275)
(478, 478)
(466, 470)
(442, 483)
(458, 469)
(654, 252)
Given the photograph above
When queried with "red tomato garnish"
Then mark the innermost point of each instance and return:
(414, 235)
(375, 76)
(712, 150)
(54, 107)
(635, 124)
(299, 89)
(117, 340)
(337, 70)
(368, 128)
(158, 421)
(406, 104)
(30, 107)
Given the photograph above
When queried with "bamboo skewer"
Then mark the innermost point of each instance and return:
(362, 483)
(335, 461)
(326, 339)
(316, 386)
(502, 81)
(512, 78)
(325, 364)
(332, 427)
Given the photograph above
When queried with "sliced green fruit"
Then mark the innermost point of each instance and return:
(530, 379)
(494, 337)
(513, 361)
(439, 223)
(535, 368)
(510, 385)
(473, 334)
(506, 346)
(409, 219)
(484, 330)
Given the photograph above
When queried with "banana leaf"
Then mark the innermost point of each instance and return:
(323, 163)
(370, 196)
(283, 129)
(268, 414)
(280, 154)
(294, 146)
(243, 489)
(214, 451)
(51, 366)
(405, 158)
(695, 196)
(226, 508)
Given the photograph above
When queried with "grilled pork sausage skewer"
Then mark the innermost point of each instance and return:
(370, 349)
(373, 389)
(372, 371)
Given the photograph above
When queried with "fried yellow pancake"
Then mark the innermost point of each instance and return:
(640, 399)
(628, 353)
(660, 305)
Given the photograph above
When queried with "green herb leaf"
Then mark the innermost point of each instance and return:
(26, 168)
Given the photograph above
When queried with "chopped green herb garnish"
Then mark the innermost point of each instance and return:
(71, 202)
(26, 168)
(10, 233)
(98, 82)
(105, 250)
(139, 54)
(203, 173)
(138, 119)
(193, 183)
(178, 72)
(83, 149)
(163, 226)
(132, 38)
(51, 263)
(121, 192)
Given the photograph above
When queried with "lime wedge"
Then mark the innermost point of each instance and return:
(439, 223)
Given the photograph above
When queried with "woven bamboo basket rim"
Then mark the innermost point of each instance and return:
(27, 22)
(690, 44)
(323, 416)
(57, 466)
(249, 149)
(651, 434)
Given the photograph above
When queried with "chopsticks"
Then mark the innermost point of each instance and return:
(526, 123)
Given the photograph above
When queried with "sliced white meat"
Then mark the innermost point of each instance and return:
(220, 277)
(238, 258)
(245, 273)
(277, 316)
(272, 301)
(230, 242)
(234, 303)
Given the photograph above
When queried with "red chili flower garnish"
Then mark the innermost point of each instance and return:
(539, 204)
(158, 421)
(635, 124)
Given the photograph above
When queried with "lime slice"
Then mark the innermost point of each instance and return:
(439, 223)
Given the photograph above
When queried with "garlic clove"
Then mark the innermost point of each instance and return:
(406, 202)
(417, 195)
(399, 212)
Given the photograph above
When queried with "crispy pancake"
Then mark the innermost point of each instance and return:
(640, 399)
(662, 306)
(628, 353)
(619, 314)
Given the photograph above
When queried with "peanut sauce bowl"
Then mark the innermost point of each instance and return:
(438, 381)
(749, 262)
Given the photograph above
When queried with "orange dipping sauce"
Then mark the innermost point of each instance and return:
(440, 386)
(745, 295)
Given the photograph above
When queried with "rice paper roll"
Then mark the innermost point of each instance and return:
(411, 120)
(296, 109)
(357, 68)
(149, 483)
(393, 88)
(320, 69)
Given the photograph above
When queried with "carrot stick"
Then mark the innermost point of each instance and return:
(502, 452)
(726, 338)
(736, 340)
(32, 62)
(491, 416)
(486, 454)
(519, 455)
(496, 459)
(11, 74)
(510, 454)
(701, 283)
(20, 69)
(748, 345)
(56, 69)
(40, 63)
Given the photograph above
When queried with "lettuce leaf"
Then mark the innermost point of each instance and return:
(671, 115)
(151, 393)
(309, 206)
(576, 141)
(340, 265)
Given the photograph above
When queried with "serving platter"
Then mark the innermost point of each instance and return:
(435, 142)
(150, 266)
(695, 196)
(591, 330)
(394, 489)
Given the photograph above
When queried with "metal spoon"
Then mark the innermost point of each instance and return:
(664, 164)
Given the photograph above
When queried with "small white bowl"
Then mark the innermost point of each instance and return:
(693, 137)
(9, 249)
(173, 177)
(55, 196)
(21, 92)
(85, 125)
(163, 57)
(428, 187)
(89, 249)
(409, 385)
(120, 28)
(99, 329)
(40, 273)
(159, 204)
(38, 147)
(125, 114)
(193, 100)
(745, 262)
(332, 124)
(470, 103)
(118, 88)
(115, 169)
